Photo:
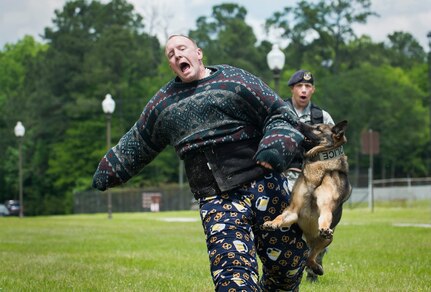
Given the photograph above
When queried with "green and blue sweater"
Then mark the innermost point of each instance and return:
(230, 105)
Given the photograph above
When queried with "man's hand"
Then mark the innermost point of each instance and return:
(265, 164)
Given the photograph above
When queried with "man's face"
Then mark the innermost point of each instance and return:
(301, 94)
(185, 58)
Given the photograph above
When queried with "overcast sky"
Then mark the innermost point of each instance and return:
(30, 17)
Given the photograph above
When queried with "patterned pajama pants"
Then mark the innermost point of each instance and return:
(233, 222)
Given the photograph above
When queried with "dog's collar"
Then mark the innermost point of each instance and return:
(328, 154)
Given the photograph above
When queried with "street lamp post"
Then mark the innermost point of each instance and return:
(429, 80)
(19, 133)
(275, 60)
(108, 106)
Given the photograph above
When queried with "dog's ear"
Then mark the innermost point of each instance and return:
(340, 128)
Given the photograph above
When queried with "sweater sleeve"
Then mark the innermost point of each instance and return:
(136, 148)
(281, 138)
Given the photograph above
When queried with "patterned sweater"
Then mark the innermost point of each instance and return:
(230, 105)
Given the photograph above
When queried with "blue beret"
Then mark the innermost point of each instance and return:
(301, 76)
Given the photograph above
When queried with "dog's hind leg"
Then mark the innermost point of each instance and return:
(286, 219)
(317, 245)
(291, 213)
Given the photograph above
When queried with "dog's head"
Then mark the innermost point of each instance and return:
(322, 137)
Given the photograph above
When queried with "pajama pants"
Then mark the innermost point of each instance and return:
(232, 223)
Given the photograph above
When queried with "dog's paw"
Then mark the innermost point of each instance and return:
(318, 270)
(315, 268)
(311, 276)
(326, 233)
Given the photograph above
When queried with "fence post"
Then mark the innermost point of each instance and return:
(370, 173)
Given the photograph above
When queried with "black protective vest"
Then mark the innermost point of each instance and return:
(215, 169)
(316, 118)
(316, 112)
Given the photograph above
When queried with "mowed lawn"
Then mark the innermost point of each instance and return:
(387, 250)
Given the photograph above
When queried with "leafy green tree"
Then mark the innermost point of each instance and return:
(15, 60)
(363, 51)
(319, 31)
(13, 65)
(66, 162)
(227, 39)
(386, 100)
(406, 50)
(101, 48)
(92, 49)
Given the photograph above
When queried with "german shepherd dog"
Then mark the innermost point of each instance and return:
(320, 190)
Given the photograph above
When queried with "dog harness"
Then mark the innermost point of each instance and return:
(328, 154)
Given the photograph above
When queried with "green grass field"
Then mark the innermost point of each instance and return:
(387, 250)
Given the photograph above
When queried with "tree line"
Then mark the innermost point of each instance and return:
(56, 88)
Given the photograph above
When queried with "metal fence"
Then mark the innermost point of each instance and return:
(171, 199)
(134, 200)
(400, 189)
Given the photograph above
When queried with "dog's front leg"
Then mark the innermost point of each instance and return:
(326, 198)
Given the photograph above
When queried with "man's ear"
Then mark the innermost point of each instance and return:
(200, 53)
(313, 89)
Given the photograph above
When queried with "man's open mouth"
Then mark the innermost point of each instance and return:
(184, 67)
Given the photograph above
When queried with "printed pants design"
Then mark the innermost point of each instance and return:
(233, 222)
